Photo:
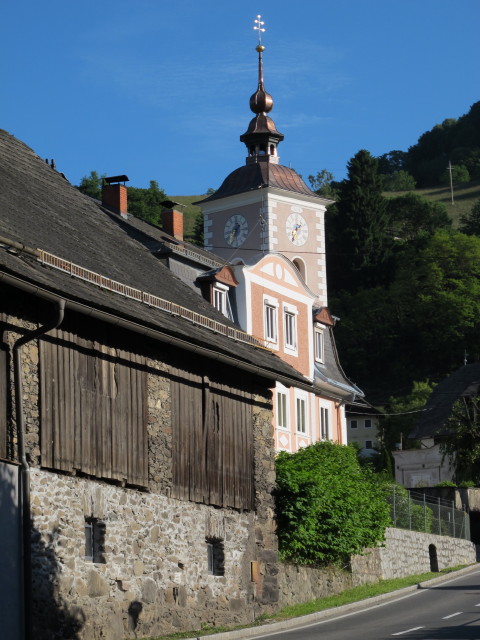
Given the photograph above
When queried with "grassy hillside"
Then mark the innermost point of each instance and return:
(464, 196)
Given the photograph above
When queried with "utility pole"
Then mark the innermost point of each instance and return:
(449, 168)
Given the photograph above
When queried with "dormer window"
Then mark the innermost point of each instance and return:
(319, 344)
(219, 297)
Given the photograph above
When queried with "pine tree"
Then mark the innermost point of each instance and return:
(358, 235)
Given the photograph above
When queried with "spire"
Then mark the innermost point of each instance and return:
(261, 137)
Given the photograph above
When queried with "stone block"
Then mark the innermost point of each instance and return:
(96, 585)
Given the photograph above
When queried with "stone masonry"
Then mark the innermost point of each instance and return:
(404, 553)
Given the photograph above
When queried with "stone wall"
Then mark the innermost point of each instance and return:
(405, 553)
(152, 577)
(299, 584)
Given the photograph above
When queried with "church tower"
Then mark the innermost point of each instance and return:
(265, 207)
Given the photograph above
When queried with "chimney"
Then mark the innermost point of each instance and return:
(114, 194)
(172, 222)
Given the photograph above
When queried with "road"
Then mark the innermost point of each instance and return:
(448, 611)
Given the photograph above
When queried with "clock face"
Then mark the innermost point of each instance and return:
(296, 228)
(236, 230)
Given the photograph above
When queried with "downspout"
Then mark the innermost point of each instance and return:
(25, 469)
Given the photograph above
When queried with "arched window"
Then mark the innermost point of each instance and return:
(300, 264)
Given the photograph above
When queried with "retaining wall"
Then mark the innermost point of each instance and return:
(405, 553)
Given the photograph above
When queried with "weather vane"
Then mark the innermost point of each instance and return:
(259, 27)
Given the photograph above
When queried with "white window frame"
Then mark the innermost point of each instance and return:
(283, 408)
(290, 314)
(219, 297)
(319, 344)
(371, 445)
(270, 320)
(301, 413)
(368, 423)
(354, 424)
(324, 415)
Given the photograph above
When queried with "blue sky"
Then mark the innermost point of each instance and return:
(159, 89)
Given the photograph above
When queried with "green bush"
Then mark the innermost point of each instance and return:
(446, 483)
(328, 507)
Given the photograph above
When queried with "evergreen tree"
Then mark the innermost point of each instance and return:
(359, 241)
(470, 223)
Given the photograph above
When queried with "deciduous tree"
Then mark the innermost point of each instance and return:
(328, 507)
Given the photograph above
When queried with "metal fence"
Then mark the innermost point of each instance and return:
(418, 512)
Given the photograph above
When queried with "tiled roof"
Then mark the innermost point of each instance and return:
(40, 209)
(260, 174)
(442, 398)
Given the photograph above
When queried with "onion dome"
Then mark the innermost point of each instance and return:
(261, 138)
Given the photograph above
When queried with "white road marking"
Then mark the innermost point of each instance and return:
(452, 615)
(407, 631)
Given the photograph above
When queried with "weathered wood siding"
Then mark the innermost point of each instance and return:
(93, 401)
(212, 440)
(3, 390)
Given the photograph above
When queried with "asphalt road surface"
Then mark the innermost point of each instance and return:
(448, 611)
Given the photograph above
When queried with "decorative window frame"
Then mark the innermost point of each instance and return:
(270, 324)
(290, 314)
(282, 408)
(319, 343)
(301, 414)
(325, 416)
(220, 295)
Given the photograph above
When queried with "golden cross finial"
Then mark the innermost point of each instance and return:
(259, 27)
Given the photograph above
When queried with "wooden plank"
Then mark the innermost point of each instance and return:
(3, 390)
(120, 420)
(68, 385)
(46, 435)
(57, 404)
